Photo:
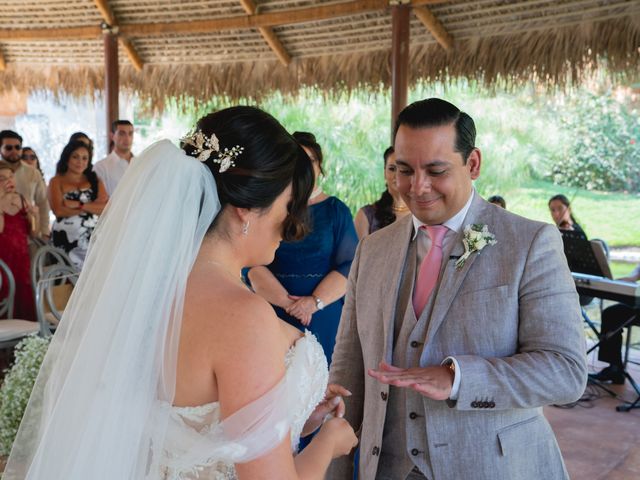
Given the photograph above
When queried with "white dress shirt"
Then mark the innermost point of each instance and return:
(110, 170)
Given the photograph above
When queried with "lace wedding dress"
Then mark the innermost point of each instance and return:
(193, 445)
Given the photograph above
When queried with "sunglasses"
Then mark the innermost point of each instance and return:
(12, 147)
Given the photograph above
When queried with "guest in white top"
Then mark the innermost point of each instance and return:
(111, 168)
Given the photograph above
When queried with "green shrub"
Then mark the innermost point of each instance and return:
(600, 151)
(17, 386)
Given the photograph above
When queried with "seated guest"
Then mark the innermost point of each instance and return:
(388, 208)
(77, 198)
(30, 158)
(497, 200)
(610, 350)
(17, 222)
(560, 209)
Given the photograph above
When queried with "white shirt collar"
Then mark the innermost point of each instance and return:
(454, 223)
(114, 156)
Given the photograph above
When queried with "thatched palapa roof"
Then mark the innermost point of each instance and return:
(250, 47)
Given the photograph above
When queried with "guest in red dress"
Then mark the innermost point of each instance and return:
(17, 221)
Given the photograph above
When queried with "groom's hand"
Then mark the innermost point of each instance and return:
(434, 382)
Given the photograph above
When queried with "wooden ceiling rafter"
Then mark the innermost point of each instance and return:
(236, 22)
(435, 27)
(268, 34)
(112, 23)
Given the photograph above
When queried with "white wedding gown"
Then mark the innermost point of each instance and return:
(193, 446)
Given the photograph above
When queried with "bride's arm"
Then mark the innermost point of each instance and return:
(248, 363)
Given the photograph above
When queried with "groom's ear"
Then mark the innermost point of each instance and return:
(473, 163)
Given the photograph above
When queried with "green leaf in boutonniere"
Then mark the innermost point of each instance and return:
(476, 237)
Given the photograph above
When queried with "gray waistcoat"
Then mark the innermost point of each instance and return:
(405, 438)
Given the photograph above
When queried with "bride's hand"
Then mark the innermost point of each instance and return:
(340, 434)
(331, 405)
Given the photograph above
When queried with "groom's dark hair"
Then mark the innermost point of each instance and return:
(435, 112)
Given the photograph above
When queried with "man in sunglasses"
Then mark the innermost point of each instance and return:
(29, 182)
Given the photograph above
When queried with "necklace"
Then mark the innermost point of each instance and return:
(402, 208)
(317, 191)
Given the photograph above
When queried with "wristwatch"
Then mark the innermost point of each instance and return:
(319, 303)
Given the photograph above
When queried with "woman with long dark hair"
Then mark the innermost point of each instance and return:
(77, 197)
(560, 209)
(388, 208)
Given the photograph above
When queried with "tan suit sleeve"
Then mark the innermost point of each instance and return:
(347, 368)
(550, 365)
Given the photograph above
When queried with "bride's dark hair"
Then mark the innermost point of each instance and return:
(270, 161)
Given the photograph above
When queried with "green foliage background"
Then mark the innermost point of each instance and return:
(581, 142)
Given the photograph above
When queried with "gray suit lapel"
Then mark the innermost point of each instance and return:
(396, 262)
(452, 278)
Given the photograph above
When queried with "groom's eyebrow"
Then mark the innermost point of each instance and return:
(435, 163)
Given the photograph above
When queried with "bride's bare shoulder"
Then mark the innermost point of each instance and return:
(231, 316)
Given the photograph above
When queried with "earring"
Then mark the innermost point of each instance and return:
(245, 228)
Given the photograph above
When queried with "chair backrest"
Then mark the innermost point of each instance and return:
(6, 303)
(44, 258)
(52, 294)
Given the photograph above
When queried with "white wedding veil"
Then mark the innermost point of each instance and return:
(94, 409)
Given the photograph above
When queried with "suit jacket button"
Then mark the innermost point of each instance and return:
(413, 415)
(375, 451)
(492, 404)
(415, 344)
(474, 404)
(415, 452)
(484, 404)
(383, 396)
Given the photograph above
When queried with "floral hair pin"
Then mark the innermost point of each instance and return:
(204, 147)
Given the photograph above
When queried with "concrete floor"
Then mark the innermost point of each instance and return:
(597, 441)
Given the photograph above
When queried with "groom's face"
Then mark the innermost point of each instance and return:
(432, 177)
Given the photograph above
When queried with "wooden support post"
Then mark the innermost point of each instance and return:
(111, 80)
(399, 60)
(3, 64)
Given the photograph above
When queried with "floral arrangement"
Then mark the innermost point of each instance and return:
(476, 237)
(17, 386)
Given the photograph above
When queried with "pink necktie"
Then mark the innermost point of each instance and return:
(429, 269)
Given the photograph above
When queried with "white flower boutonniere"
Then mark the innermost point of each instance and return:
(476, 237)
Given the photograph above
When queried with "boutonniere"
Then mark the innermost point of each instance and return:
(476, 237)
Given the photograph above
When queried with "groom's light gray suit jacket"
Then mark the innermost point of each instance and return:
(512, 320)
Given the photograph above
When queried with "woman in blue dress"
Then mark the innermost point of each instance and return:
(307, 280)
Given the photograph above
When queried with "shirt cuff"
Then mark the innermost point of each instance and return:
(456, 377)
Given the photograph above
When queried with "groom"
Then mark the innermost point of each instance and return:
(451, 355)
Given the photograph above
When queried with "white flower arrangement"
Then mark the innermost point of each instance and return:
(476, 237)
(17, 385)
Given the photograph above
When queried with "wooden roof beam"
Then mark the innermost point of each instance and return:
(435, 27)
(238, 22)
(111, 21)
(269, 35)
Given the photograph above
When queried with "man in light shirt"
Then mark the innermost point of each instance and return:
(111, 168)
(29, 182)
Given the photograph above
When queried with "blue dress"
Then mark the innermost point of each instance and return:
(301, 266)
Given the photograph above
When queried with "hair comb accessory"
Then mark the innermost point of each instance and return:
(204, 147)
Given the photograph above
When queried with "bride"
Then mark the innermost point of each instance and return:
(165, 366)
